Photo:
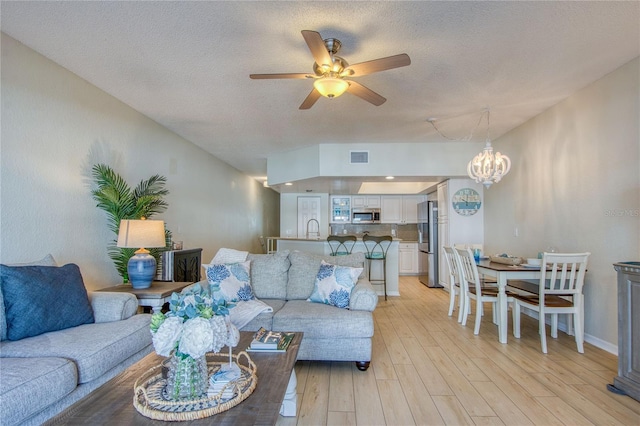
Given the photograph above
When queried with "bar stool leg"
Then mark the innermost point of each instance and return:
(384, 277)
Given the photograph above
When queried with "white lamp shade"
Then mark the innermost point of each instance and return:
(331, 87)
(141, 233)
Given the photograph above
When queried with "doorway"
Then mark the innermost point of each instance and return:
(308, 209)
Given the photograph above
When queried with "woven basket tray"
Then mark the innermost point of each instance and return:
(506, 260)
(148, 389)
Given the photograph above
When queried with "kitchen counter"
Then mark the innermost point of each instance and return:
(320, 246)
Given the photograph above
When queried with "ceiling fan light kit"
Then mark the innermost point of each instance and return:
(331, 87)
(330, 71)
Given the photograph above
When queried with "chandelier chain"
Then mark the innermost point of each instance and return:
(466, 138)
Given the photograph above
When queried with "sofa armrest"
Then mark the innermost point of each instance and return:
(363, 296)
(108, 307)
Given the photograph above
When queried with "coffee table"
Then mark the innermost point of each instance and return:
(112, 403)
(155, 296)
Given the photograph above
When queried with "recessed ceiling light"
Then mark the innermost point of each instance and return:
(390, 177)
(288, 184)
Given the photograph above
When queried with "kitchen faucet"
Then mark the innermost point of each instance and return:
(318, 225)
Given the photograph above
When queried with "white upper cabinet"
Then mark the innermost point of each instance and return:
(365, 201)
(340, 209)
(391, 210)
(410, 207)
(400, 208)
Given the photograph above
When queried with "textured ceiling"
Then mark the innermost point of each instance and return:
(186, 65)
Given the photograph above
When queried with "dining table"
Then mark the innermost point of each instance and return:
(504, 273)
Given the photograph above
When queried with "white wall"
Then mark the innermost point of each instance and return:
(55, 126)
(575, 185)
(434, 160)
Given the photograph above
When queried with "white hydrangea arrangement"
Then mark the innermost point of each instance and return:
(194, 325)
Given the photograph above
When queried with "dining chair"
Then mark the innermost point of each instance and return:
(561, 293)
(487, 282)
(377, 248)
(341, 244)
(454, 282)
(472, 289)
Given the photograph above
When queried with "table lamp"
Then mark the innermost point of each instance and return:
(139, 234)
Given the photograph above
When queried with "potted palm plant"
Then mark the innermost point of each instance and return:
(114, 195)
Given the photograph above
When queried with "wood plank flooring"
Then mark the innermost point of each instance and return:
(427, 369)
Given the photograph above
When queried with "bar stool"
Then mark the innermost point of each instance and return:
(377, 248)
(341, 245)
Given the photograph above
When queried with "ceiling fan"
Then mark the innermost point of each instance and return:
(330, 71)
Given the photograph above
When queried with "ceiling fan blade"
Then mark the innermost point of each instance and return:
(318, 49)
(286, 75)
(369, 67)
(310, 99)
(365, 93)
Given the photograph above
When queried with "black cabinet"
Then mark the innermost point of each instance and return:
(180, 265)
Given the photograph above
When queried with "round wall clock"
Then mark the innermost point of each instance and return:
(466, 202)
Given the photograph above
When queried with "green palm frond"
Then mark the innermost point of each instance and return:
(114, 195)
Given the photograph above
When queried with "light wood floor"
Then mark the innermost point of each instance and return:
(427, 369)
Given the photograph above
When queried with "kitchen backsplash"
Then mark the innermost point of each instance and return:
(403, 232)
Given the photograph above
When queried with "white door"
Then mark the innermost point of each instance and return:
(308, 210)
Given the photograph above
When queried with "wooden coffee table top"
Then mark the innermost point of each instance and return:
(112, 403)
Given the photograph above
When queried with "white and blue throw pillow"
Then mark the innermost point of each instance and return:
(334, 284)
(234, 280)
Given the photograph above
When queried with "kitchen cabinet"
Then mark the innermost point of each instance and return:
(410, 207)
(365, 201)
(391, 209)
(443, 197)
(408, 258)
(400, 208)
(340, 209)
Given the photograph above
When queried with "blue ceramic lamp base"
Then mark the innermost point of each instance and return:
(142, 270)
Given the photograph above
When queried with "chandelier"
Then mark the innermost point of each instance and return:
(486, 168)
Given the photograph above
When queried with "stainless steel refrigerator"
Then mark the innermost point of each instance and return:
(428, 244)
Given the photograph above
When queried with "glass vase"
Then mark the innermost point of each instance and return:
(187, 378)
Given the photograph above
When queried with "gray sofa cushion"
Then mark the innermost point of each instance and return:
(265, 319)
(28, 385)
(103, 345)
(108, 306)
(318, 320)
(305, 267)
(269, 274)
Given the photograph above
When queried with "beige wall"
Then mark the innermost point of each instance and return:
(575, 185)
(55, 126)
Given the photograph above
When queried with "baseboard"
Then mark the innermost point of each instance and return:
(562, 326)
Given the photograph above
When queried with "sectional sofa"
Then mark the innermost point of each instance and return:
(44, 374)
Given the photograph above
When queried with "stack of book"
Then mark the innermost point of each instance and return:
(222, 382)
(270, 341)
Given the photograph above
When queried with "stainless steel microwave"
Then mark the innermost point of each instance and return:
(365, 216)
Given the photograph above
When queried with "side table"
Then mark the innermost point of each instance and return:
(155, 296)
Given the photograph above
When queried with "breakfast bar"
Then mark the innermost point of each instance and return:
(320, 246)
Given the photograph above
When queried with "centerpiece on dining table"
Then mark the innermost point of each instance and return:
(195, 324)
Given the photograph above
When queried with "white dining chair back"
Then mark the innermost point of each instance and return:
(561, 293)
(454, 282)
(472, 288)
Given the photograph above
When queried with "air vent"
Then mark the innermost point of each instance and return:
(359, 157)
